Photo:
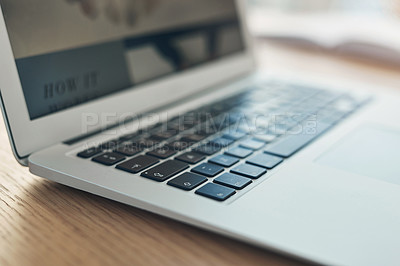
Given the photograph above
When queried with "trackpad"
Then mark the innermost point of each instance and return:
(368, 151)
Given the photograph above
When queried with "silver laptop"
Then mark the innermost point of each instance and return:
(157, 104)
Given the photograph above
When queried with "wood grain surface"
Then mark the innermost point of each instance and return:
(44, 223)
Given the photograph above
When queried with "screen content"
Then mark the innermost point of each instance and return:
(69, 52)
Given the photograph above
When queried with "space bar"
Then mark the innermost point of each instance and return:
(290, 144)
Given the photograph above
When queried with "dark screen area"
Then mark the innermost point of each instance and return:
(69, 52)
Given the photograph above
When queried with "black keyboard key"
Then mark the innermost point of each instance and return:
(187, 181)
(162, 152)
(138, 164)
(207, 149)
(224, 160)
(252, 144)
(249, 170)
(193, 138)
(191, 157)
(164, 135)
(165, 170)
(221, 142)
(265, 160)
(233, 181)
(208, 169)
(290, 144)
(215, 191)
(128, 149)
(90, 152)
(239, 152)
(145, 143)
(109, 158)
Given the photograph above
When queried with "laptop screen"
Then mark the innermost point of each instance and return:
(69, 52)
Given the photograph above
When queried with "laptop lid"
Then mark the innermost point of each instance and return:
(64, 59)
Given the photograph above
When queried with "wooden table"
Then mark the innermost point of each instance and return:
(44, 223)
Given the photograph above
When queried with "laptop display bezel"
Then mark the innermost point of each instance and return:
(28, 136)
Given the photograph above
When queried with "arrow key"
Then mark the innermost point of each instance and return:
(215, 191)
(187, 181)
(165, 170)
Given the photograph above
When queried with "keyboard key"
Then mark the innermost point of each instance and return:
(145, 143)
(207, 149)
(248, 170)
(191, 157)
(164, 135)
(215, 191)
(290, 144)
(128, 149)
(109, 158)
(193, 138)
(265, 160)
(221, 142)
(234, 134)
(89, 152)
(165, 170)
(162, 152)
(208, 169)
(239, 152)
(265, 137)
(233, 181)
(187, 181)
(224, 160)
(138, 164)
(252, 144)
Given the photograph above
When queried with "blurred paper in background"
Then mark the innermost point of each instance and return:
(368, 29)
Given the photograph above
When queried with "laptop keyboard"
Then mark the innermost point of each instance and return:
(221, 148)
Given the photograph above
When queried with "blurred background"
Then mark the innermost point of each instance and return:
(365, 7)
(368, 29)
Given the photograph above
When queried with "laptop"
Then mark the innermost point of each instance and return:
(158, 104)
